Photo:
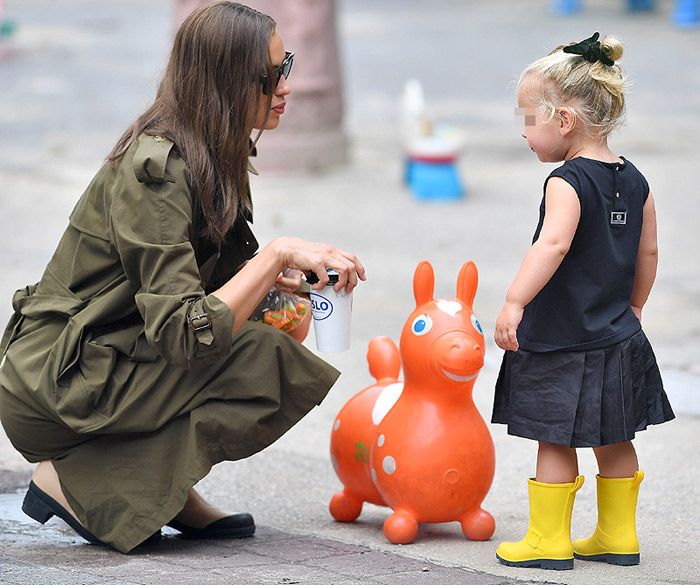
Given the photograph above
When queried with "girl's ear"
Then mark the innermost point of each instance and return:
(567, 120)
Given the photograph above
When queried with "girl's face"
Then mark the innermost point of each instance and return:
(279, 93)
(544, 136)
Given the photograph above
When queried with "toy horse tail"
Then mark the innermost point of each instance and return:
(384, 359)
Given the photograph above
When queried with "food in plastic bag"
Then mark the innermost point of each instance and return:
(282, 310)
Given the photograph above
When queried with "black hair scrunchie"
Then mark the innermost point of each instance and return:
(590, 50)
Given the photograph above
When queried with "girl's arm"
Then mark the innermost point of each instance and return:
(647, 259)
(562, 213)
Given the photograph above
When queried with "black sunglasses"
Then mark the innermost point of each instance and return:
(277, 73)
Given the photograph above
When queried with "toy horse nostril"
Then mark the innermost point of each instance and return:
(456, 348)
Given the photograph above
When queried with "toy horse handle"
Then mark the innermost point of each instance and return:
(384, 359)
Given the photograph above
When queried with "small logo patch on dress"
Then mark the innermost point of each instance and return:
(618, 217)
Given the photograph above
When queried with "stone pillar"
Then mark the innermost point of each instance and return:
(310, 136)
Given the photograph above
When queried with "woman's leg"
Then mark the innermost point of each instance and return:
(46, 479)
(198, 513)
(617, 460)
(556, 463)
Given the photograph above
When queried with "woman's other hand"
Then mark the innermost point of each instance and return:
(507, 325)
(289, 280)
(314, 257)
(302, 330)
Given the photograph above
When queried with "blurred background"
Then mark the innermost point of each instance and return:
(74, 74)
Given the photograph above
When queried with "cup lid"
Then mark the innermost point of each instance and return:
(333, 276)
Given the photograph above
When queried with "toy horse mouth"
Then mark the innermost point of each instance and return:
(456, 378)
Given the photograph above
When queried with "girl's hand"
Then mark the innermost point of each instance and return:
(506, 326)
(313, 257)
(288, 281)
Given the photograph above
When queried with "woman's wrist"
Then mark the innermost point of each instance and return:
(275, 253)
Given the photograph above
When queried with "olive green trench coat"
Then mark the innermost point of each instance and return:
(121, 368)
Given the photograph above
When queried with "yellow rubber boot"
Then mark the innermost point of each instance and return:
(547, 544)
(615, 538)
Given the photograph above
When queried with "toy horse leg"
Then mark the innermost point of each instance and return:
(401, 527)
(345, 506)
(478, 525)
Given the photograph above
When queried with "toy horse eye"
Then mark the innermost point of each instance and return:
(477, 325)
(422, 324)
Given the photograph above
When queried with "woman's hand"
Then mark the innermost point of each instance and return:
(289, 280)
(244, 291)
(506, 326)
(302, 330)
(314, 257)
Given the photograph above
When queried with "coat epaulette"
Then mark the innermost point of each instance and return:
(151, 158)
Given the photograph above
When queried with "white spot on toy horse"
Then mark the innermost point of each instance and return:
(380, 440)
(336, 424)
(449, 307)
(334, 462)
(385, 401)
(373, 474)
(389, 464)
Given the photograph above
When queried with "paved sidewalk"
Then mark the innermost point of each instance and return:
(82, 72)
(31, 554)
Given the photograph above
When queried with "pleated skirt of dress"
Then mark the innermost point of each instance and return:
(582, 398)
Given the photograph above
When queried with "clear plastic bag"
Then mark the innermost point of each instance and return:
(282, 310)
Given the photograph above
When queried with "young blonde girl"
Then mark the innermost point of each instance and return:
(578, 370)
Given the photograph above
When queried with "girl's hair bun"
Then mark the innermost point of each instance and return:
(612, 48)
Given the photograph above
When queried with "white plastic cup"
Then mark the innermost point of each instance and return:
(331, 312)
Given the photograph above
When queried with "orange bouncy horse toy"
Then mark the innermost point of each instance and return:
(420, 446)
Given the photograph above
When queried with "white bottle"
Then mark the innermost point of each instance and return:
(415, 124)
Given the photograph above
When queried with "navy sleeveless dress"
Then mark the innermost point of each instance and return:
(585, 374)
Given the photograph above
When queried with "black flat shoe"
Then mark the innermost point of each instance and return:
(41, 506)
(234, 526)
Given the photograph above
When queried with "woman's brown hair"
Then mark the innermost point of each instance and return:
(207, 104)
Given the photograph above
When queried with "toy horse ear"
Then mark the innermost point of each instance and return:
(467, 281)
(423, 283)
